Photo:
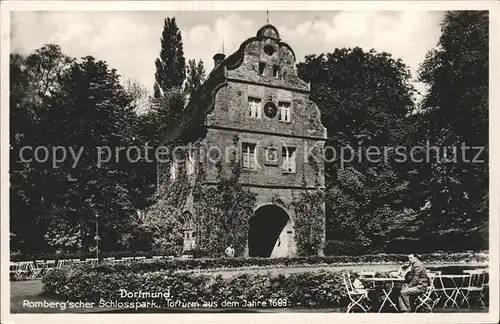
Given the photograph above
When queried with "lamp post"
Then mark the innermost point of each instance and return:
(97, 235)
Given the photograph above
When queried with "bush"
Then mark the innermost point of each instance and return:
(308, 289)
(341, 247)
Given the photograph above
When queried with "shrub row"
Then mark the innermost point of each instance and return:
(224, 263)
(308, 289)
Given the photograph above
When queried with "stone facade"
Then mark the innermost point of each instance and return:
(256, 97)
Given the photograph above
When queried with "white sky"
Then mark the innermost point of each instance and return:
(130, 41)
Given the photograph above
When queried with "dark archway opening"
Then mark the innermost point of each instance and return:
(264, 229)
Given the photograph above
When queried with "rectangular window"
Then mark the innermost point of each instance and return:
(249, 156)
(284, 111)
(190, 163)
(254, 109)
(262, 68)
(276, 71)
(288, 155)
(173, 170)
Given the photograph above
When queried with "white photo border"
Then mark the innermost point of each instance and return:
(494, 134)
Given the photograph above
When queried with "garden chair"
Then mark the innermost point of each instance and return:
(486, 285)
(127, 259)
(91, 260)
(38, 269)
(50, 265)
(426, 299)
(475, 286)
(13, 270)
(24, 270)
(63, 264)
(118, 260)
(442, 291)
(356, 295)
(367, 274)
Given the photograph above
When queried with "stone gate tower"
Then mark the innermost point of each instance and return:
(256, 95)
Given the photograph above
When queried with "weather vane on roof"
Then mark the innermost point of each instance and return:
(267, 16)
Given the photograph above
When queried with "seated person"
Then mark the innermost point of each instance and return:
(357, 284)
(416, 282)
(402, 272)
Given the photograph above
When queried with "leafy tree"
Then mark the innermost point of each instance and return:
(139, 95)
(195, 76)
(162, 226)
(455, 113)
(364, 98)
(34, 80)
(167, 112)
(78, 105)
(171, 65)
(92, 110)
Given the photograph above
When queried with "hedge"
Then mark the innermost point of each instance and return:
(225, 263)
(308, 289)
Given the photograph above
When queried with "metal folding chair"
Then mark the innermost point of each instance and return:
(91, 260)
(475, 286)
(38, 269)
(14, 266)
(444, 292)
(426, 299)
(367, 274)
(24, 270)
(357, 296)
(50, 265)
(486, 286)
(63, 264)
(127, 259)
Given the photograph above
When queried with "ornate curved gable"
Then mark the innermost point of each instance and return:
(265, 58)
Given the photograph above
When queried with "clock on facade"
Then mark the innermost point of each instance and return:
(270, 109)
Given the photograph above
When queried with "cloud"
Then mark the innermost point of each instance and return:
(130, 41)
(224, 34)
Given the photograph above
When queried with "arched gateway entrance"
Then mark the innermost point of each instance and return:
(269, 233)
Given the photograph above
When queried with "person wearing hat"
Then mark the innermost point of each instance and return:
(416, 282)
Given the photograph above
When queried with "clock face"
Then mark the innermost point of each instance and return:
(270, 110)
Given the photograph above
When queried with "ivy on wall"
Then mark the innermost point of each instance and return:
(222, 210)
(309, 209)
(309, 225)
